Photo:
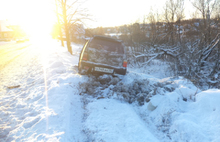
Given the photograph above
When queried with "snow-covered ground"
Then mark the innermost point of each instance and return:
(54, 103)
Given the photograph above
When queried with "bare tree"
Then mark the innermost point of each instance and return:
(70, 12)
(205, 7)
(180, 16)
(59, 28)
(216, 17)
(173, 11)
(153, 19)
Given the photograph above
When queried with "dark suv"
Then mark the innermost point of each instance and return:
(103, 55)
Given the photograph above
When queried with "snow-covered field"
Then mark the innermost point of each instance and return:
(55, 103)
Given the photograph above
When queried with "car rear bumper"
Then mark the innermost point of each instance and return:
(101, 68)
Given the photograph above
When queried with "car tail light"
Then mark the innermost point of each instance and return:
(85, 57)
(125, 63)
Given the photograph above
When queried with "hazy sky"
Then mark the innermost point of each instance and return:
(39, 14)
(119, 12)
(104, 12)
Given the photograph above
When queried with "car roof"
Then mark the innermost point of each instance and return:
(106, 38)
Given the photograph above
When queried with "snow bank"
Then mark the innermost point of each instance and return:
(201, 121)
(172, 109)
(112, 121)
(175, 118)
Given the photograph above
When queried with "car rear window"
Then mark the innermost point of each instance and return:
(109, 45)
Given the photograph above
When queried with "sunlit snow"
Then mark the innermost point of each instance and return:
(54, 103)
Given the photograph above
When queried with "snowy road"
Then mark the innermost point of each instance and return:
(19, 70)
(10, 51)
(35, 104)
(14, 61)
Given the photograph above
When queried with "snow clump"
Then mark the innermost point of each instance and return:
(138, 90)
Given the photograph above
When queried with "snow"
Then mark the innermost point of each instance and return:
(114, 121)
(56, 104)
(156, 69)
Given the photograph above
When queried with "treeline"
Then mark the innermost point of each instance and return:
(192, 46)
(159, 33)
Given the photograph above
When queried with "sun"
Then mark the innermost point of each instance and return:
(35, 17)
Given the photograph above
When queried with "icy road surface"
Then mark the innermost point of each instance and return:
(43, 98)
(14, 57)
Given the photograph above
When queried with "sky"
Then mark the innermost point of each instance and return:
(120, 12)
(39, 15)
(109, 13)
(104, 12)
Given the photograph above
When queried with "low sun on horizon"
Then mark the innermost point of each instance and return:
(37, 17)
(34, 17)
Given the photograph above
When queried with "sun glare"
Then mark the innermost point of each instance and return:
(35, 17)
